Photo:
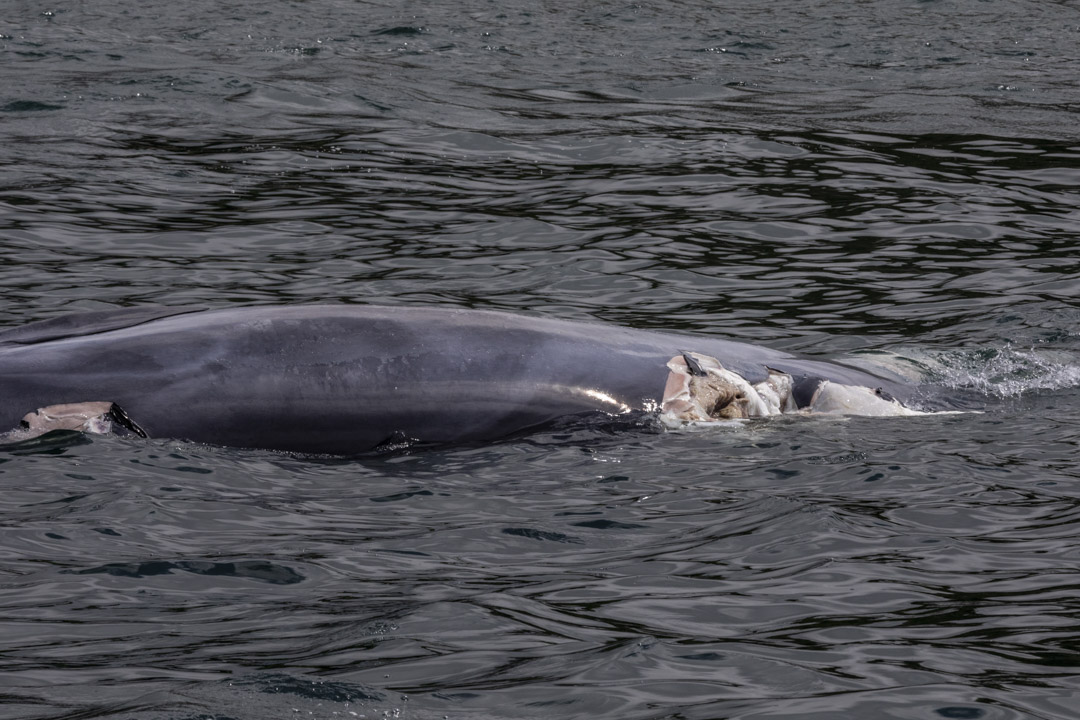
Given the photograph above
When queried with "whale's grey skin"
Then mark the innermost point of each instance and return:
(342, 379)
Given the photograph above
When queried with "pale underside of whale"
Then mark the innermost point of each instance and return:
(344, 379)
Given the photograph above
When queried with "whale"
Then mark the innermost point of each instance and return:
(347, 379)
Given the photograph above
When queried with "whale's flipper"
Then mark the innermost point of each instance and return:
(89, 323)
(99, 418)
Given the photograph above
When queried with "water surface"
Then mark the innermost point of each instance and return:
(878, 179)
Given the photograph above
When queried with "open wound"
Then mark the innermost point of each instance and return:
(699, 390)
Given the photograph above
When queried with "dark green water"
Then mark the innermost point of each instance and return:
(897, 178)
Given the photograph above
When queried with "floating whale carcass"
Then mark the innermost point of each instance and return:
(345, 379)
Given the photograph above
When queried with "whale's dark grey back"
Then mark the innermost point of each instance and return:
(342, 379)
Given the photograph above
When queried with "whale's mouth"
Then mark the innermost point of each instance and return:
(701, 390)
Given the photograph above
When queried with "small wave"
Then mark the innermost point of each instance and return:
(1005, 373)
